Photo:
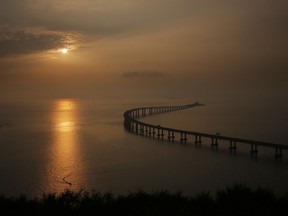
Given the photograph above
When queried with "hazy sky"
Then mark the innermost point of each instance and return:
(131, 48)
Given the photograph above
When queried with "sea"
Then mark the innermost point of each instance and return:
(49, 146)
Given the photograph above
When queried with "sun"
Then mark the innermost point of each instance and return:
(64, 51)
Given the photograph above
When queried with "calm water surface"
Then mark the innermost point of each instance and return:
(81, 144)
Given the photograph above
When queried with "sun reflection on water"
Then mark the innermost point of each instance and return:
(65, 163)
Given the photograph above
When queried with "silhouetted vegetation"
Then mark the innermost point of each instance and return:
(236, 200)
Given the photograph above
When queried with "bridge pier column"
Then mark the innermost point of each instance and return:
(173, 136)
(278, 153)
(158, 133)
(183, 138)
(197, 140)
(253, 150)
(146, 130)
(214, 143)
(233, 146)
(162, 134)
(141, 129)
(132, 126)
(169, 133)
(149, 130)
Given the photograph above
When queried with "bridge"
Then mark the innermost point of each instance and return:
(133, 125)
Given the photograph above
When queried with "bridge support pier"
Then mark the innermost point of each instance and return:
(233, 146)
(171, 135)
(149, 130)
(183, 138)
(198, 140)
(162, 134)
(132, 127)
(214, 143)
(143, 112)
(253, 150)
(158, 133)
(141, 129)
(278, 153)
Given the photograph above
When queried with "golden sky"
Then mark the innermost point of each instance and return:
(137, 48)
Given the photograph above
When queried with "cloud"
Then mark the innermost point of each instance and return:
(114, 17)
(93, 17)
(142, 74)
(15, 41)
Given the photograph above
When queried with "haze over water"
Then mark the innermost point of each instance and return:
(65, 143)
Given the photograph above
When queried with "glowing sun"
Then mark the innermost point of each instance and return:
(64, 51)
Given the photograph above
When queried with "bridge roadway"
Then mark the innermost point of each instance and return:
(133, 125)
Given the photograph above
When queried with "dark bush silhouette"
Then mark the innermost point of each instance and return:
(241, 200)
(235, 200)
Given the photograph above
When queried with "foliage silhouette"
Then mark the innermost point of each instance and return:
(238, 199)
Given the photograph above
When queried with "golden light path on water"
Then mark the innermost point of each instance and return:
(65, 165)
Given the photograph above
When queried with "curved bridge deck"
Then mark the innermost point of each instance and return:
(133, 125)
